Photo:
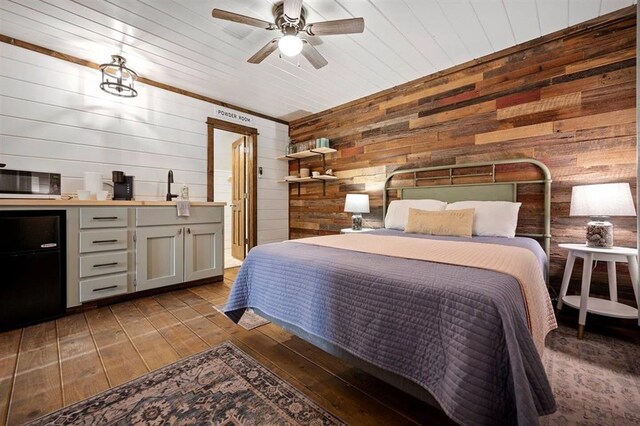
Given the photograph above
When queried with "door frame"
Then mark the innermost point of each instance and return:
(251, 153)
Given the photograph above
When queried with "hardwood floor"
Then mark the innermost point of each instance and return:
(57, 363)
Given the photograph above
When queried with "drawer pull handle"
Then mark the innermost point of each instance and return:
(105, 241)
(188, 230)
(105, 288)
(102, 265)
(105, 218)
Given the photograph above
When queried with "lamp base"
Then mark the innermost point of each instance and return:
(356, 222)
(600, 233)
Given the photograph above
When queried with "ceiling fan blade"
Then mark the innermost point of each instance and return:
(262, 54)
(341, 26)
(242, 19)
(308, 51)
(292, 10)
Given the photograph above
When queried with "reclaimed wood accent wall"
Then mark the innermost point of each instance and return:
(567, 99)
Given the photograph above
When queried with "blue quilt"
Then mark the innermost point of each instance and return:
(461, 333)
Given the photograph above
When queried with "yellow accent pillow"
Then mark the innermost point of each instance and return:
(457, 223)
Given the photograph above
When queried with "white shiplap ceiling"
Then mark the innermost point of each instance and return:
(177, 42)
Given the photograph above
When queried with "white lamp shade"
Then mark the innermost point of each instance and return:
(357, 203)
(609, 199)
(290, 45)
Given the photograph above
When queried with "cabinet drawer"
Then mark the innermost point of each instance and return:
(100, 264)
(96, 288)
(103, 240)
(103, 217)
(153, 216)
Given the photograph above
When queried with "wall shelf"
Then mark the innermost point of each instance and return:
(306, 154)
(309, 179)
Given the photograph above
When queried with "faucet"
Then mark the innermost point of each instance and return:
(170, 196)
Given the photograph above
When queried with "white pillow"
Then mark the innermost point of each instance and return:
(491, 218)
(398, 211)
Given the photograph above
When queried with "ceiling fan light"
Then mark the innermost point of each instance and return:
(290, 45)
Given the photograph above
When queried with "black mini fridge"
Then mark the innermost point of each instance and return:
(32, 266)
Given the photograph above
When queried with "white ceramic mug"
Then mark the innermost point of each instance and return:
(83, 194)
(102, 195)
(315, 174)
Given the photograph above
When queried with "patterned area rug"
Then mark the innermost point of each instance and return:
(249, 320)
(596, 381)
(220, 386)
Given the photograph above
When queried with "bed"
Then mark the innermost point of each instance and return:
(467, 339)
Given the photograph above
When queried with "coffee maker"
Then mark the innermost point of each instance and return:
(122, 186)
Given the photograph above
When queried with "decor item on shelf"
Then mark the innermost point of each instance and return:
(315, 174)
(290, 19)
(291, 148)
(356, 204)
(117, 79)
(329, 172)
(324, 143)
(304, 172)
(600, 202)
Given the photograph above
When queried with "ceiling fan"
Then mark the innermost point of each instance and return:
(290, 19)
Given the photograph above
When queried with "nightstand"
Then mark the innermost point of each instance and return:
(351, 231)
(594, 305)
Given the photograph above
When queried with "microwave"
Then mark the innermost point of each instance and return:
(26, 184)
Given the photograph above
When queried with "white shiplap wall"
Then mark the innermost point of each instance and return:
(55, 118)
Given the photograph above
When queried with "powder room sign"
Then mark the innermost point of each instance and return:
(226, 114)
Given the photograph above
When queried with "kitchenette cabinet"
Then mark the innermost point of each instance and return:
(159, 256)
(124, 247)
(169, 254)
(105, 252)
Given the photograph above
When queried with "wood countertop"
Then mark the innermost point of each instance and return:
(93, 203)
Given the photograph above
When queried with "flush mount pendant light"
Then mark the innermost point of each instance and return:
(290, 45)
(117, 79)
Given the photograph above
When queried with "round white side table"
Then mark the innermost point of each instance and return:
(595, 305)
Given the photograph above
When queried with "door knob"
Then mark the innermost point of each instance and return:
(179, 231)
(188, 230)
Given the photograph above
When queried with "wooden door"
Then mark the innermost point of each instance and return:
(159, 256)
(238, 211)
(203, 257)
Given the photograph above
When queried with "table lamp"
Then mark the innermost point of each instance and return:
(356, 204)
(600, 202)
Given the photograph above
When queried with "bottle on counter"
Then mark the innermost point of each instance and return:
(184, 192)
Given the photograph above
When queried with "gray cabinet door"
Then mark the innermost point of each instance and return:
(203, 251)
(159, 256)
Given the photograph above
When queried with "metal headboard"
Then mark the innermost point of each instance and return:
(491, 191)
